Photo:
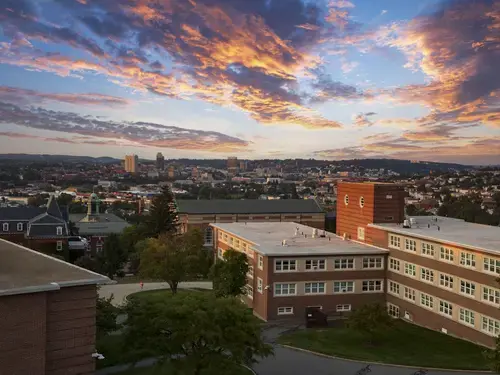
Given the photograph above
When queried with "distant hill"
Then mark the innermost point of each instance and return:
(402, 166)
(58, 158)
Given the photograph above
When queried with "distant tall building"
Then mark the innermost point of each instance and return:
(232, 164)
(160, 161)
(243, 165)
(171, 171)
(131, 163)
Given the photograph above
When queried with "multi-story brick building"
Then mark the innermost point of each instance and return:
(200, 213)
(48, 314)
(437, 272)
(294, 267)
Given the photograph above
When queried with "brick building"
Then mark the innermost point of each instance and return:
(48, 312)
(200, 213)
(436, 272)
(39, 228)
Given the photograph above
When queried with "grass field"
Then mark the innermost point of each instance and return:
(404, 344)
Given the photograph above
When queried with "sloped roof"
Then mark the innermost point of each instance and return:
(47, 219)
(53, 207)
(20, 213)
(27, 271)
(248, 206)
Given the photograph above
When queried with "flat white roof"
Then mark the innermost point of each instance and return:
(451, 231)
(268, 238)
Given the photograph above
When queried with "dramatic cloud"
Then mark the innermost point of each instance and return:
(18, 95)
(141, 133)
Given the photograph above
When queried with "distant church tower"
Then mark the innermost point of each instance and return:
(92, 208)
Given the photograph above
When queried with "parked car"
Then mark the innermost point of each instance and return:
(78, 243)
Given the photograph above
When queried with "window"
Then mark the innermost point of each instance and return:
(409, 294)
(491, 295)
(285, 289)
(372, 286)
(225, 237)
(346, 200)
(260, 285)
(20, 227)
(491, 265)
(236, 244)
(394, 288)
(361, 233)
(5, 227)
(446, 281)
(244, 247)
(410, 269)
(261, 262)
(220, 253)
(285, 310)
(59, 245)
(59, 231)
(285, 265)
(490, 326)
(220, 235)
(343, 264)
(427, 275)
(231, 241)
(468, 288)
(250, 272)
(372, 262)
(394, 264)
(209, 235)
(250, 291)
(361, 202)
(446, 254)
(466, 316)
(410, 245)
(393, 310)
(98, 249)
(468, 259)
(426, 300)
(314, 288)
(346, 307)
(394, 241)
(315, 264)
(343, 287)
(445, 308)
(427, 249)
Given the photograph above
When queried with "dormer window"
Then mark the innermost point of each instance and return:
(20, 227)
(59, 231)
(5, 227)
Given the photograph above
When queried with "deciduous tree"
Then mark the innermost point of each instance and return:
(370, 320)
(106, 315)
(229, 275)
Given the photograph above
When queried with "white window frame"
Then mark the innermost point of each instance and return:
(59, 246)
(394, 264)
(394, 241)
(410, 294)
(467, 288)
(446, 281)
(220, 253)
(98, 248)
(490, 295)
(260, 285)
(467, 317)
(344, 287)
(343, 307)
(427, 275)
(445, 308)
(410, 245)
(346, 200)
(20, 227)
(361, 233)
(343, 264)
(410, 269)
(288, 310)
(394, 288)
(315, 287)
(373, 263)
(260, 262)
(315, 265)
(491, 265)
(467, 259)
(285, 265)
(281, 288)
(490, 326)
(59, 231)
(427, 301)
(372, 286)
(250, 272)
(446, 254)
(427, 250)
(208, 236)
(361, 201)
(393, 310)
(5, 227)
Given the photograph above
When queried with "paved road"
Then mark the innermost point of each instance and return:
(121, 291)
(285, 361)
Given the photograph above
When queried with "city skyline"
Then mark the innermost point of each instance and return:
(262, 79)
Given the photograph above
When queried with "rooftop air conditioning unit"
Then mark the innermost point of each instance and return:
(406, 224)
(413, 221)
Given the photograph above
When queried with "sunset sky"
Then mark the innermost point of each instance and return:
(252, 78)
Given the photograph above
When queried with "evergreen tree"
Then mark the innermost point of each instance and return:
(162, 216)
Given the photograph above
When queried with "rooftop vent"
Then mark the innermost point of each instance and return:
(315, 233)
(344, 237)
(406, 224)
(413, 221)
(296, 231)
(283, 243)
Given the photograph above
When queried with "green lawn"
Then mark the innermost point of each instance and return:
(404, 344)
(166, 369)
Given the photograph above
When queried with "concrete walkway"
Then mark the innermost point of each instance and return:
(121, 291)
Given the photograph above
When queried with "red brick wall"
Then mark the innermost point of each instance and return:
(352, 215)
(23, 334)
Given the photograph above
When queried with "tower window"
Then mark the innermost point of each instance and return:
(361, 202)
(346, 199)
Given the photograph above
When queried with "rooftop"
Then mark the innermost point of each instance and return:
(23, 270)
(451, 231)
(268, 239)
(249, 206)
